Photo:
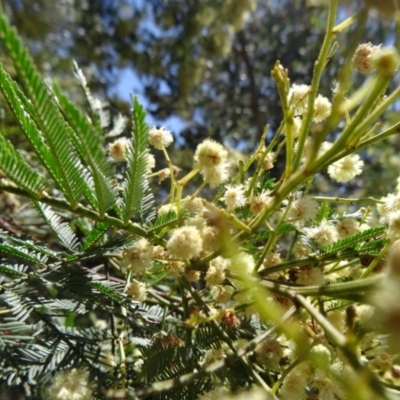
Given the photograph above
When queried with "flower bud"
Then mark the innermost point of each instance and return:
(320, 356)
(386, 62)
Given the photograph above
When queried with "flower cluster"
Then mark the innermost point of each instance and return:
(256, 247)
(69, 385)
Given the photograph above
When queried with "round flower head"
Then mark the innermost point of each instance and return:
(234, 197)
(293, 386)
(272, 259)
(309, 145)
(347, 227)
(214, 176)
(365, 313)
(297, 97)
(194, 205)
(150, 162)
(163, 174)
(216, 272)
(242, 262)
(326, 387)
(185, 242)
(324, 234)
(69, 385)
(258, 203)
(176, 268)
(211, 238)
(301, 250)
(324, 148)
(391, 203)
(322, 109)
(229, 319)
(268, 162)
(117, 150)
(303, 209)
(198, 222)
(223, 294)
(160, 138)
(137, 291)
(268, 353)
(346, 168)
(191, 275)
(138, 257)
(309, 275)
(363, 56)
(210, 154)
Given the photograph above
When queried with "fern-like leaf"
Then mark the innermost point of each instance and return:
(207, 336)
(16, 100)
(21, 253)
(90, 145)
(136, 196)
(355, 241)
(107, 291)
(20, 304)
(94, 235)
(65, 163)
(61, 229)
(17, 270)
(168, 219)
(14, 166)
(29, 246)
(264, 234)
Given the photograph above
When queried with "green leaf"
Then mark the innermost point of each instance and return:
(15, 167)
(264, 234)
(94, 235)
(64, 164)
(90, 145)
(29, 246)
(357, 241)
(20, 252)
(109, 292)
(136, 195)
(30, 129)
(170, 218)
(16, 270)
(61, 229)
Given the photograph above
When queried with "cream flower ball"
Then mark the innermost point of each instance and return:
(210, 154)
(185, 242)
